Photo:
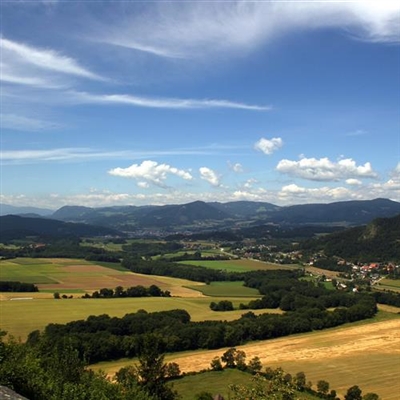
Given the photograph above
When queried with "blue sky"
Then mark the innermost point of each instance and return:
(111, 103)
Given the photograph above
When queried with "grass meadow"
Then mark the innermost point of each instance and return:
(216, 382)
(242, 265)
(389, 284)
(226, 289)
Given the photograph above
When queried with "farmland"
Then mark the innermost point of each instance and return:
(69, 276)
(350, 355)
(241, 265)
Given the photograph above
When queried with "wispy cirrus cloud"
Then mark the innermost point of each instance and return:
(154, 102)
(28, 63)
(79, 154)
(197, 29)
(29, 124)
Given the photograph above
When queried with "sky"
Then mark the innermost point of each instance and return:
(108, 103)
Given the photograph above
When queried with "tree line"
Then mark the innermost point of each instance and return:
(102, 338)
(16, 286)
(133, 291)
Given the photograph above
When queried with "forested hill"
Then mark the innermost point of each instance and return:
(15, 227)
(377, 241)
(200, 215)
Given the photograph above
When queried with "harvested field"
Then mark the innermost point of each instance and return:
(366, 355)
(74, 276)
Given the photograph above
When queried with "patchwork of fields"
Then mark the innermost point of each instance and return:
(366, 353)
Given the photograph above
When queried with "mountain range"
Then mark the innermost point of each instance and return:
(201, 216)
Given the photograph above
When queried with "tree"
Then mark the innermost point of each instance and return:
(229, 358)
(323, 387)
(371, 396)
(255, 365)
(353, 393)
(172, 370)
(216, 364)
(300, 381)
(151, 371)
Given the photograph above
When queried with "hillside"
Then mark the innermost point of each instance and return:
(378, 241)
(16, 227)
(199, 215)
(6, 209)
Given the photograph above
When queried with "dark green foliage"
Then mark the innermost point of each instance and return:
(204, 396)
(353, 393)
(371, 396)
(151, 371)
(101, 338)
(16, 227)
(133, 291)
(377, 241)
(223, 305)
(387, 297)
(39, 371)
(216, 364)
(11, 286)
(166, 268)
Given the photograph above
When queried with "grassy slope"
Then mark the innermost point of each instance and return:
(241, 265)
(226, 289)
(215, 382)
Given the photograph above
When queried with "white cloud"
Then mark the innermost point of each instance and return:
(268, 146)
(250, 183)
(58, 155)
(79, 154)
(143, 185)
(237, 167)
(309, 195)
(353, 182)
(199, 30)
(151, 172)
(210, 176)
(324, 169)
(22, 123)
(21, 56)
(153, 102)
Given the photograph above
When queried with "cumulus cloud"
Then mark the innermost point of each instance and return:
(324, 169)
(237, 167)
(353, 182)
(268, 146)
(324, 194)
(249, 183)
(210, 176)
(151, 172)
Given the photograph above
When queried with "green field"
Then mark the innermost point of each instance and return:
(19, 318)
(389, 284)
(242, 265)
(226, 289)
(215, 382)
